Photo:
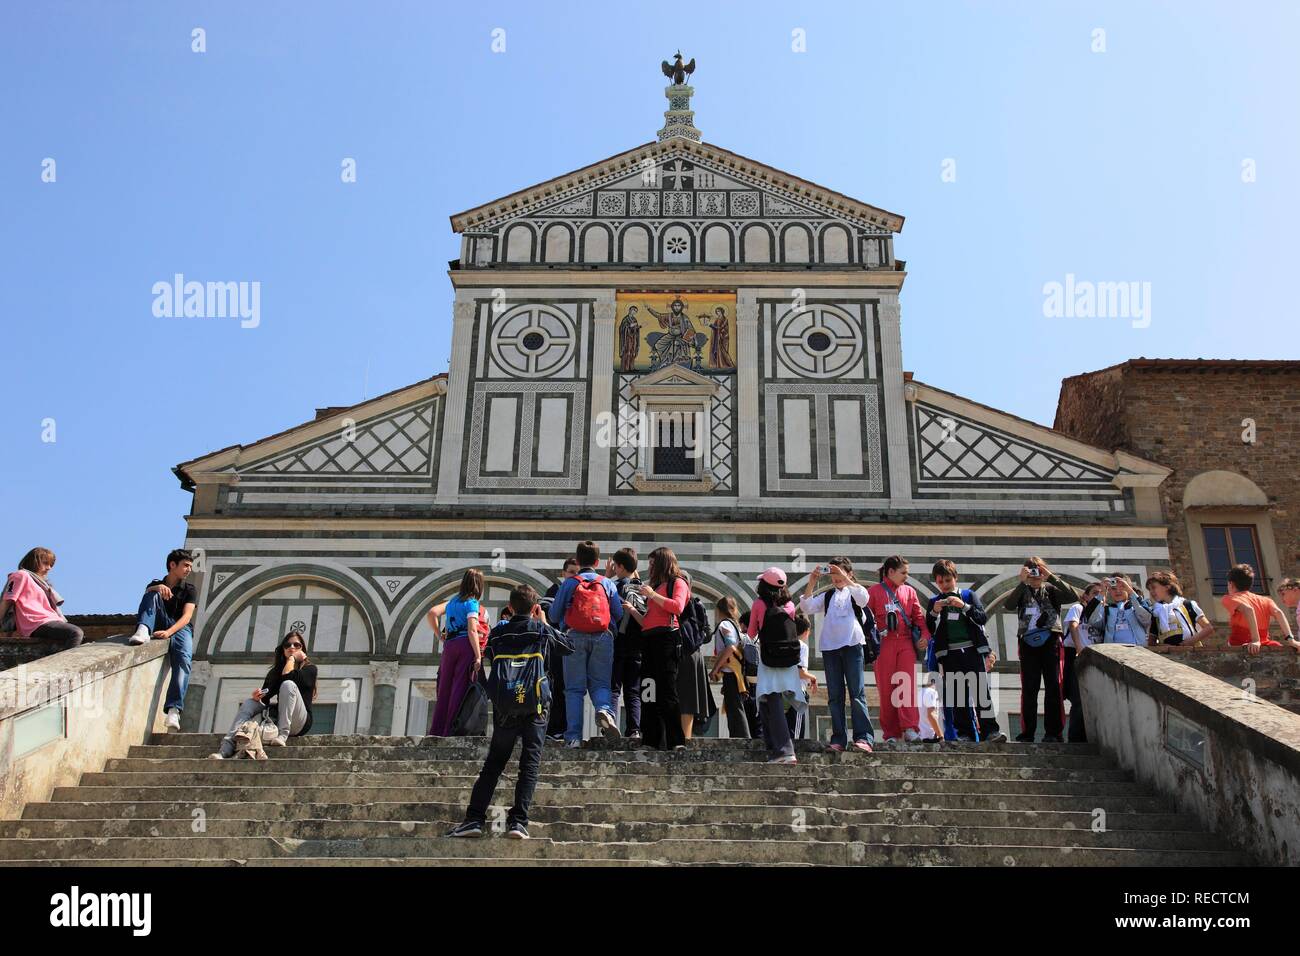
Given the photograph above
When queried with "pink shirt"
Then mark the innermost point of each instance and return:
(31, 605)
(666, 615)
(757, 611)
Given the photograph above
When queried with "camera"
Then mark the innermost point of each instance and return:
(1035, 573)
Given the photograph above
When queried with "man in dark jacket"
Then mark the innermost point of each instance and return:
(955, 620)
(1037, 602)
(526, 619)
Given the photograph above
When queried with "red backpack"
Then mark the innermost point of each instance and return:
(588, 611)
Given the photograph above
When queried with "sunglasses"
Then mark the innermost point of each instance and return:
(294, 646)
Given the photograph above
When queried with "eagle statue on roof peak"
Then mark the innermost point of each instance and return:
(678, 71)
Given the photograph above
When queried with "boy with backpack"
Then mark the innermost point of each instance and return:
(846, 631)
(586, 605)
(517, 654)
(955, 619)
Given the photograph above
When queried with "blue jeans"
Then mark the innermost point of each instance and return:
(588, 668)
(844, 668)
(180, 651)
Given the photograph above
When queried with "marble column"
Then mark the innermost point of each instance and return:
(384, 675)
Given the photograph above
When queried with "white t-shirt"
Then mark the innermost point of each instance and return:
(803, 661)
(1075, 613)
(929, 703)
(725, 634)
(841, 627)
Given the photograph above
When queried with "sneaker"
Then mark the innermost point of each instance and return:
(1024, 738)
(141, 636)
(470, 828)
(998, 738)
(1053, 739)
(680, 747)
(784, 759)
(276, 741)
(517, 831)
(890, 743)
(835, 748)
(962, 739)
(608, 726)
(911, 736)
(173, 720)
(862, 745)
(217, 756)
(556, 737)
(634, 738)
(573, 744)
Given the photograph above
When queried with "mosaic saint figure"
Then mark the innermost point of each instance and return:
(674, 345)
(629, 340)
(720, 344)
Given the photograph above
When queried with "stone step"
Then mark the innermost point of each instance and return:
(987, 757)
(268, 788)
(260, 774)
(1080, 816)
(210, 742)
(867, 767)
(837, 853)
(624, 830)
(354, 861)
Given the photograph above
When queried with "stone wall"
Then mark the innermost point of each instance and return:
(15, 650)
(67, 714)
(1231, 759)
(1273, 674)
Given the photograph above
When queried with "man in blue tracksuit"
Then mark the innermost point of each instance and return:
(590, 666)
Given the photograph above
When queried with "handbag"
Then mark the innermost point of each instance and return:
(1037, 636)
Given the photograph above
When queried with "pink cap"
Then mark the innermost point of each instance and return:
(773, 576)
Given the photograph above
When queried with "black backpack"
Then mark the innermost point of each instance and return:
(867, 620)
(778, 642)
(517, 681)
(472, 716)
(692, 623)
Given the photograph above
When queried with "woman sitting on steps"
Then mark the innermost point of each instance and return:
(291, 683)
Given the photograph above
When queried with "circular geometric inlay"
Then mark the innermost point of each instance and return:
(819, 341)
(533, 340)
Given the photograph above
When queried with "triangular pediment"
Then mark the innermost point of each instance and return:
(393, 436)
(677, 179)
(675, 380)
(960, 442)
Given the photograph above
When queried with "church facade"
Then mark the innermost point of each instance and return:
(674, 346)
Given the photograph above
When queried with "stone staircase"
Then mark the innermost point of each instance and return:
(354, 800)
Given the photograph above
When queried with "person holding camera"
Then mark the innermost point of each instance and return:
(841, 642)
(1123, 617)
(1037, 602)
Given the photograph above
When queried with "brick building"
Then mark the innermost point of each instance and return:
(1230, 430)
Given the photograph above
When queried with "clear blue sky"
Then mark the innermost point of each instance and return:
(1115, 166)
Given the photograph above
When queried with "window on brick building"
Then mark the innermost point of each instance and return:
(1226, 545)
